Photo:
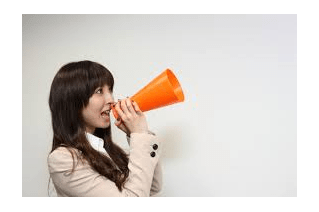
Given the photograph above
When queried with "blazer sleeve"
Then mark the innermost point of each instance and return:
(84, 181)
(157, 182)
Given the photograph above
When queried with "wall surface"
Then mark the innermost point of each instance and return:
(235, 134)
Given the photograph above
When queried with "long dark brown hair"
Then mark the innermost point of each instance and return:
(70, 92)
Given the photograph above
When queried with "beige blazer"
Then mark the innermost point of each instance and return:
(145, 176)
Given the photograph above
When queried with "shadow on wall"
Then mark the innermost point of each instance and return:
(173, 140)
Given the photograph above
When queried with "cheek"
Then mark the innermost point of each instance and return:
(110, 98)
(94, 108)
(86, 114)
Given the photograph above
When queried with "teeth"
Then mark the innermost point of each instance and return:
(106, 112)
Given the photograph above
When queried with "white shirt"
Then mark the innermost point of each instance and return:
(96, 142)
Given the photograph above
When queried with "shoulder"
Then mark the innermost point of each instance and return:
(62, 159)
(62, 152)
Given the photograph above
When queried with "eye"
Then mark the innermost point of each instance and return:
(99, 90)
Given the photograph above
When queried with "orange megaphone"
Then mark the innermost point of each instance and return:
(162, 91)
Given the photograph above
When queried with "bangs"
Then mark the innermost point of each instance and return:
(99, 76)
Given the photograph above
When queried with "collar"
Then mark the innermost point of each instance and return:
(96, 142)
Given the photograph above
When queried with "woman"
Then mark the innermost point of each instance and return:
(84, 161)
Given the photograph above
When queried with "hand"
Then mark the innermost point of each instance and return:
(119, 123)
(132, 119)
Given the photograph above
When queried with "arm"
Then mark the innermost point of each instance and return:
(157, 182)
(86, 182)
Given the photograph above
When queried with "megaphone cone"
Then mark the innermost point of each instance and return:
(162, 91)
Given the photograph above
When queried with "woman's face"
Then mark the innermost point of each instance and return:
(97, 112)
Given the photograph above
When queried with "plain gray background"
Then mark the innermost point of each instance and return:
(235, 134)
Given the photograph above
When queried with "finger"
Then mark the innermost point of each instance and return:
(119, 110)
(121, 126)
(130, 106)
(136, 107)
(124, 107)
(118, 122)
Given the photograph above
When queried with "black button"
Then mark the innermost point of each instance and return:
(153, 154)
(155, 146)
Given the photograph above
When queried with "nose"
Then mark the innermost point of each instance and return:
(109, 98)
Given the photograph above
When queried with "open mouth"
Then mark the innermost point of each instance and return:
(105, 114)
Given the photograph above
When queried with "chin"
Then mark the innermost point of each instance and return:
(105, 126)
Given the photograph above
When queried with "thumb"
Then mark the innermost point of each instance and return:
(118, 122)
(121, 126)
